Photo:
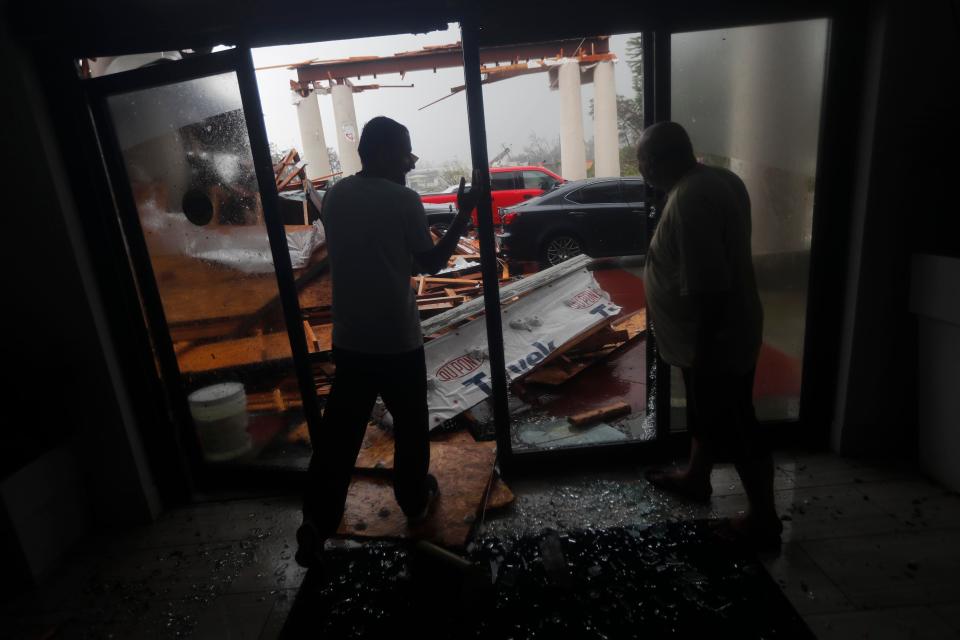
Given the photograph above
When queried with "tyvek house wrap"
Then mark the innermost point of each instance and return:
(458, 364)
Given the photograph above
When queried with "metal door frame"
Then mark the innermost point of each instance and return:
(98, 90)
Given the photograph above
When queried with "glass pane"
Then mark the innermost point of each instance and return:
(750, 99)
(188, 158)
(538, 180)
(503, 180)
(573, 108)
(604, 193)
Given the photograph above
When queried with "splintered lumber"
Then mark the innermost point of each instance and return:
(273, 401)
(608, 412)
(507, 292)
(230, 354)
(455, 299)
(297, 168)
(242, 352)
(312, 344)
(589, 347)
(431, 281)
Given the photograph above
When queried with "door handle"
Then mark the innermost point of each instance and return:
(577, 213)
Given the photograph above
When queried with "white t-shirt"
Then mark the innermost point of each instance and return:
(702, 245)
(374, 228)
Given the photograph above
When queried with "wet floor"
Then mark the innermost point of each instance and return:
(869, 551)
(668, 580)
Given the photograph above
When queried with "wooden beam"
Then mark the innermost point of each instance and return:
(614, 410)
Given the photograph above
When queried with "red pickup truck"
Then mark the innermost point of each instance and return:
(508, 186)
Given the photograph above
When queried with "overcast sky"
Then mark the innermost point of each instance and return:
(514, 108)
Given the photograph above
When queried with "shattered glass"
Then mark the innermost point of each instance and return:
(188, 159)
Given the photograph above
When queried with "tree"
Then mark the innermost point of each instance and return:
(630, 111)
(334, 160)
(538, 151)
(452, 170)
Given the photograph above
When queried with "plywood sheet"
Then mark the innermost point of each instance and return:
(463, 468)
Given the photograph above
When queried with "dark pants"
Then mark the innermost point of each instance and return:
(401, 380)
(720, 414)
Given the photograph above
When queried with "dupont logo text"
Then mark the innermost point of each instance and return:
(584, 300)
(457, 368)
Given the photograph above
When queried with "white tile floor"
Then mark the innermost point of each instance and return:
(870, 551)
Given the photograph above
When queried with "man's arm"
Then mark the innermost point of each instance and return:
(435, 259)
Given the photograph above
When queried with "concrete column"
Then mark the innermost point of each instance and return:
(606, 138)
(573, 153)
(313, 146)
(348, 134)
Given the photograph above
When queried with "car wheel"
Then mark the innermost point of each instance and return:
(560, 248)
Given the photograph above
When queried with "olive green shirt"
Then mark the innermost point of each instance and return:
(702, 246)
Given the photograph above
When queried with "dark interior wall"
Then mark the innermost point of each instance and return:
(59, 387)
(905, 204)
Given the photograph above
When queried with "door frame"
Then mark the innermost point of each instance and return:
(97, 91)
(835, 165)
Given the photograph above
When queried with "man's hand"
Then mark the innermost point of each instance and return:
(467, 200)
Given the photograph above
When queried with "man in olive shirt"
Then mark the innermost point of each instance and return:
(377, 238)
(702, 297)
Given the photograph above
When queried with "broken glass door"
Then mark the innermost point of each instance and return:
(215, 268)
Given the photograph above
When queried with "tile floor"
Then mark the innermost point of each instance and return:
(870, 551)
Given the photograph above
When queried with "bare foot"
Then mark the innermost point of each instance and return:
(681, 483)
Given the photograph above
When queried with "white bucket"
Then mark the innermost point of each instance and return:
(220, 415)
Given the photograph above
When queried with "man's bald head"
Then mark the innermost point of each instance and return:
(664, 154)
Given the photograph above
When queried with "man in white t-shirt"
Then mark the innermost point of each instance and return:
(377, 237)
(707, 320)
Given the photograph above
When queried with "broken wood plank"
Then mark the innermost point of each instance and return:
(435, 299)
(608, 412)
(442, 306)
(297, 168)
(312, 344)
(433, 280)
(242, 352)
(575, 356)
(508, 292)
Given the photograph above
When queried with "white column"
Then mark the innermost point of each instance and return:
(606, 138)
(573, 153)
(313, 146)
(348, 135)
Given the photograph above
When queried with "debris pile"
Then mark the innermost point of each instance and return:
(556, 323)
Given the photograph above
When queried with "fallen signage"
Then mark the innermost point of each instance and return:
(458, 366)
